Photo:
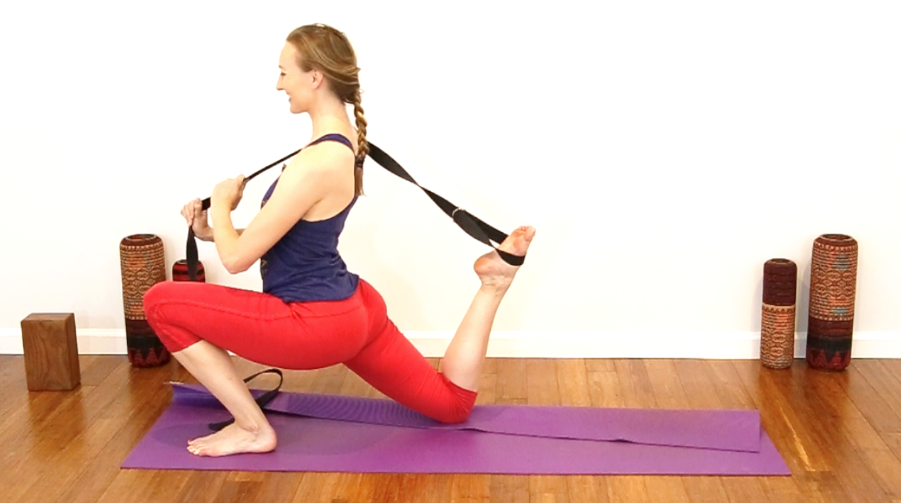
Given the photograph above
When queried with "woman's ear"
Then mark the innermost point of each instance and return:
(317, 78)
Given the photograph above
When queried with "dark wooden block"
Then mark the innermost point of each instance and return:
(51, 351)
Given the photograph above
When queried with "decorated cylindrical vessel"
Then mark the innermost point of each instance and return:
(777, 327)
(143, 265)
(180, 272)
(833, 287)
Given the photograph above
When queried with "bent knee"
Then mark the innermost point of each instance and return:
(156, 295)
(457, 415)
(462, 403)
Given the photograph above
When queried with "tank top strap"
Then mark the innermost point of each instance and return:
(333, 137)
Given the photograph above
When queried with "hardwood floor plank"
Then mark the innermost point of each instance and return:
(12, 368)
(464, 488)
(801, 444)
(96, 369)
(204, 486)
(63, 447)
(842, 415)
(511, 387)
(600, 364)
(628, 489)
(665, 384)
(605, 390)
(635, 384)
(510, 488)
(876, 388)
(124, 422)
(278, 487)
(572, 383)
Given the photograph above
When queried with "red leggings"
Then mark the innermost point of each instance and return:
(307, 335)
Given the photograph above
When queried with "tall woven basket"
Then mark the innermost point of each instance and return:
(833, 287)
(777, 321)
(143, 265)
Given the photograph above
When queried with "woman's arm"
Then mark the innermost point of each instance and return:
(209, 236)
(307, 179)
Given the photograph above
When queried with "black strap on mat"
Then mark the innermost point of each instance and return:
(262, 400)
(468, 222)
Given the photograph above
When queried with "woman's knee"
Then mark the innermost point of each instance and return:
(154, 297)
(165, 323)
(460, 403)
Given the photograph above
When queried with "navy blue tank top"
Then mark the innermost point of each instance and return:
(304, 265)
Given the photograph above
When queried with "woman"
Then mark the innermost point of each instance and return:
(313, 312)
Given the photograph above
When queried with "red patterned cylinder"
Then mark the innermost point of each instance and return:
(777, 327)
(833, 288)
(180, 272)
(143, 265)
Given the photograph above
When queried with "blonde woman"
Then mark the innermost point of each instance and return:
(313, 312)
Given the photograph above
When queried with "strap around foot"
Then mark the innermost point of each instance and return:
(510, 258)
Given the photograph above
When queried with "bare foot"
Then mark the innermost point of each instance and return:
(491, 268)
(233, 440)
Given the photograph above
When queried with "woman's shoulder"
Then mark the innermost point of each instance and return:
(327, 156)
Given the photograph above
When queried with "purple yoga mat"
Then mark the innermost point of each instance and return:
(328, 433)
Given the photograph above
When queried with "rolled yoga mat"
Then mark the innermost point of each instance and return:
(833, 287)
(329, 433)
(777, 320)
(143, 265)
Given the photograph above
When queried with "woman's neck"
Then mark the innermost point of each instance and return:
(327, 116)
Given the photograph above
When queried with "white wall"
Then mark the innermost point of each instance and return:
(663, 150)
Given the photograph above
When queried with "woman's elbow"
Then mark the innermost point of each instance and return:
(236, 265)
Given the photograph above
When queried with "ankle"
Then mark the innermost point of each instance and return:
(251, 426)
(494, 289)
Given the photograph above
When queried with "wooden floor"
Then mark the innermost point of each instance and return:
(840, 434)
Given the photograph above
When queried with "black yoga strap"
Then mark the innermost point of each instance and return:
(261, 400)
(468, 222)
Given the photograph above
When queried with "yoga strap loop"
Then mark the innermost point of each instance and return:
(465, 220)
(262, 400)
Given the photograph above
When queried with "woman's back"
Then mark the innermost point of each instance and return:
(304, 265)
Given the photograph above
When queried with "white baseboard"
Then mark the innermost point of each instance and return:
(717, 345)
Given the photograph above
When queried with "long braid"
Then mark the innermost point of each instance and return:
(362, 144)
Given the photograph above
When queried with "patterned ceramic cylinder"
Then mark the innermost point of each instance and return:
(777, 327)
(143, 264)
(180, 272)
(833, 287)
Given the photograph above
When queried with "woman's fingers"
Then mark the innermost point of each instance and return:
(190, 210)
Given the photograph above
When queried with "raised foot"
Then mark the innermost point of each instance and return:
(493, 270)
(233, 440)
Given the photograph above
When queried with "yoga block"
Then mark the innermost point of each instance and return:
(51, 352)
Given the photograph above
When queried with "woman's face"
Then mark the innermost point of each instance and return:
(296, 83)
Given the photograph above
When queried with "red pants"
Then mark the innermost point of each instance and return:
(307, 335)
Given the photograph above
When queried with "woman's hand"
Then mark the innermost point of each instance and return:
(197, 220)
(228, 193)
